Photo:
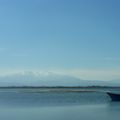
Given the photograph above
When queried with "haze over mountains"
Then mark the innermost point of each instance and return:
(51, 79)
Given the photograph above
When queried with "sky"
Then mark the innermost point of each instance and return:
(80, 38)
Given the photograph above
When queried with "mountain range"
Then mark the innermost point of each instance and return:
(51, 79)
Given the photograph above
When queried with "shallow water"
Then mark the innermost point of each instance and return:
(16, 105)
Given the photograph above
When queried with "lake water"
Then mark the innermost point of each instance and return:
(20, 105)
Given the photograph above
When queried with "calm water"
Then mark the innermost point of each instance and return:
(20, 105)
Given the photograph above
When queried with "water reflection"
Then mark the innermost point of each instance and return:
(52, 99)
(84, 112)
(113, 106)
(54, 106)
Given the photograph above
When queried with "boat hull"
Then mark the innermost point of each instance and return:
(114, 97)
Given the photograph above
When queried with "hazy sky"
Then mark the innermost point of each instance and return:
(76, 37)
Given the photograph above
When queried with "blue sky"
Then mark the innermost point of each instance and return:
(79, 37)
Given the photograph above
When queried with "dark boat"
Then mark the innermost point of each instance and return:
(114, 96)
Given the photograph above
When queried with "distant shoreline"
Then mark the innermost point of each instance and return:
(32, 87)
(58, 89)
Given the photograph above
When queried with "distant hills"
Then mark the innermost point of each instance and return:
(51, 79)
